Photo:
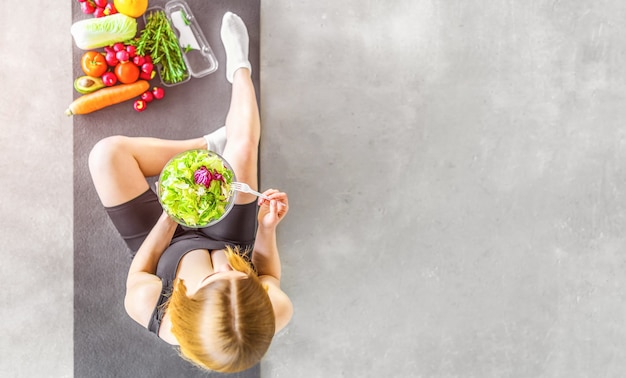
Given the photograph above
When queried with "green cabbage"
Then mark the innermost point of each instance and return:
(94, 32)
(188, 201)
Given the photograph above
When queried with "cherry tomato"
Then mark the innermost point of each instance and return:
(93, 64)
(127, 72)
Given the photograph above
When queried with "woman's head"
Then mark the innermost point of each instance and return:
(228, 324)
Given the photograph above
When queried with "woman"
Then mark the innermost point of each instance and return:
(196, 288)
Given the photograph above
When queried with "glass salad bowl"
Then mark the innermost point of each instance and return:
(194, 188)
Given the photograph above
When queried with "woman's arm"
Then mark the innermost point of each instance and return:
(283, 308)
(265, 255)
(156, 242)
(143, 287)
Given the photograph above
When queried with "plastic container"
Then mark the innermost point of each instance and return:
(177, 187)
(197, 54)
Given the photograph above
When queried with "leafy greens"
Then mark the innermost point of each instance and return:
(195, 204)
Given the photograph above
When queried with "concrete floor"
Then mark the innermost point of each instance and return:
(455, 173)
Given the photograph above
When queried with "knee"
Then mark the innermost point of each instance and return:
(243, 147)
(104, 152)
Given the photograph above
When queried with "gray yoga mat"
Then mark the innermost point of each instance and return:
(107, 343)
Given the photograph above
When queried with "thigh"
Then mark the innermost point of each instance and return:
(119, 165)
(238, 227)
(243, 157)
(134, 219)
(115, 172)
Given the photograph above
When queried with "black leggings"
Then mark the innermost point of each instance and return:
(135, 218)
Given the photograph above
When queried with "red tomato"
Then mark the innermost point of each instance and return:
(93, 64)
(127, 72)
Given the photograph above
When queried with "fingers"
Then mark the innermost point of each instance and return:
(280, 198)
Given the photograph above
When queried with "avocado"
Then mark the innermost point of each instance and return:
(88, 84)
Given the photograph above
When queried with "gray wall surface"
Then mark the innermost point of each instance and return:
(455, 172)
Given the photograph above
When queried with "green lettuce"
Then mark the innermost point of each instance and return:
(194, 204)
(93, 33)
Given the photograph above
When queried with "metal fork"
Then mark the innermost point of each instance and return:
(245, 188)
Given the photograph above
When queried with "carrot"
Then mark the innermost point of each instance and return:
(104, 97)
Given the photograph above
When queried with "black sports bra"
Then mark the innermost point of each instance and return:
(167, 266)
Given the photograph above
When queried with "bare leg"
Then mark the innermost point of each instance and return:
(243, 131)
(119, 165)
(243, 126)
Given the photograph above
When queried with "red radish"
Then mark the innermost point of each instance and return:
(119, 46)
(158, 93)
(140, 105)
(147, 68)
(99, 12)
(100, 3)
(147, 76)
(87, 7)
(111, 58)
(147, 96)
(122, 56)
(110, 9)
(109, 79)
(81, 1)
(139, 60)
(148, 59)
(108, 49)
(131, 50)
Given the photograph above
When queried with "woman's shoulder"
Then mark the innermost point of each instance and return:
(142, 296)
(283, 308)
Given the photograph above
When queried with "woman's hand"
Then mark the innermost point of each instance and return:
(273, 211)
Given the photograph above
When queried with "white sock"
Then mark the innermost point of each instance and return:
(235, 39)
(216, 141)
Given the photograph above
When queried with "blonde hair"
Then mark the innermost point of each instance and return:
(227, 325)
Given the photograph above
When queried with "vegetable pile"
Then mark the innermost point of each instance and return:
(116, 57)
(120, 68)
(115, 73)
(194, 188)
